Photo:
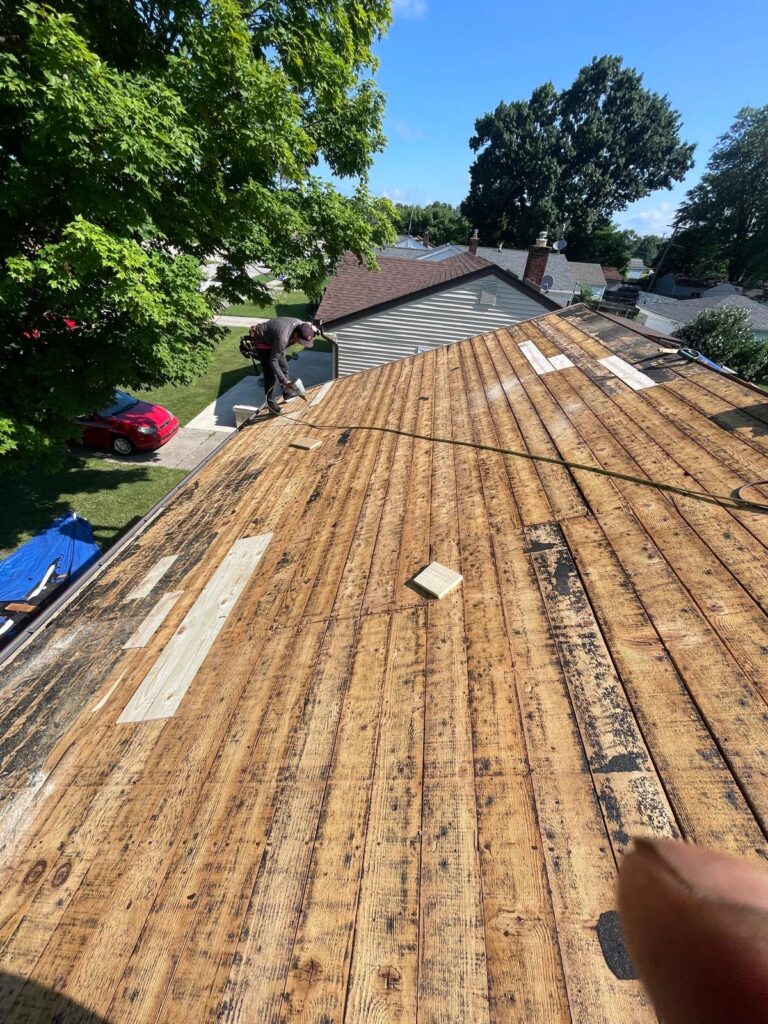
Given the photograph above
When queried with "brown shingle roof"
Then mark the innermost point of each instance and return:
(354, 288)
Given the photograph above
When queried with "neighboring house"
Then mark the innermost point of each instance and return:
(442, 252)
(588, 275)
(722, 288)
(669, 314)
(251, 771)
(436, 253)
(514, 262)
(411, 242)
(412, 305)
(674, 286)
(637, 269)
(613, 278)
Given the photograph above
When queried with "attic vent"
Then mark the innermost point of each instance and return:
(490, 291)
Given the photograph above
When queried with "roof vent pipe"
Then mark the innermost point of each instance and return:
(473, 243)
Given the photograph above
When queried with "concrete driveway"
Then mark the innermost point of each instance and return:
(185, 451)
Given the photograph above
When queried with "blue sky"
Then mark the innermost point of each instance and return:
(446, 62)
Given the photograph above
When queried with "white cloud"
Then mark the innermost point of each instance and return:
(651, 220)
(409, 8)
(406, 196)
(405, 131)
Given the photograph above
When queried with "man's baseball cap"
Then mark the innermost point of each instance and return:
(306, 335)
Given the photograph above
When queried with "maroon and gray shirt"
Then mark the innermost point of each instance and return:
(274, 337)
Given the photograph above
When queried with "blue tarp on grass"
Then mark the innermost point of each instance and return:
(31, 576)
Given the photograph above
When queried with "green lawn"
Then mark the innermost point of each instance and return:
(288, 304)
(112, 496)
(226, 368)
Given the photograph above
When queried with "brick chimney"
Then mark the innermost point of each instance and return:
(425, 238)
(473, 243)
(536, 264)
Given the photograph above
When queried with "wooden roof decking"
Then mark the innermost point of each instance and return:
(368, 804)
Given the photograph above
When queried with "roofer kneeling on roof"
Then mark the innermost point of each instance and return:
(268, 343)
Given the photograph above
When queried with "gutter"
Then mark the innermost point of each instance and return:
(96, 568)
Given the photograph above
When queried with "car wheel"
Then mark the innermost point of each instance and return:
(120, 445)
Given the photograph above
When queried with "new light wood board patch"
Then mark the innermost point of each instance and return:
(153, 621)
(560, 362)
(536, 357)
(631, 376)
(438, 580)
(317, 399)
(163, 688)
(153, 577)
(306, 443)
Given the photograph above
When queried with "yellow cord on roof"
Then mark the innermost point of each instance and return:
(725, 501)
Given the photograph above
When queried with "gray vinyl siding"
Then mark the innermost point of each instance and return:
(431, 321)
(658, 323)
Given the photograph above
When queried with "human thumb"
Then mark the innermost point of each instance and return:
(696, 924)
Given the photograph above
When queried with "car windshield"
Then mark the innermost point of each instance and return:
(121, 402)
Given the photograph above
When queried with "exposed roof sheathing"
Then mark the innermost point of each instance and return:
(369, 804)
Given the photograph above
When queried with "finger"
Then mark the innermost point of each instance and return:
(696, 924)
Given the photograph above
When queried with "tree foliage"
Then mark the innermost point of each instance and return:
(723, 221)
(725, 335)
(567, 161)
(604, 244)
(444, 222)
(644, 247)
(138, 138)
(585, 294)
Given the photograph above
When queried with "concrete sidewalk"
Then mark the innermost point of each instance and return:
(311, 367)
(239, 321)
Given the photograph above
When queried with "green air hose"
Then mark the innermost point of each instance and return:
(726, 501)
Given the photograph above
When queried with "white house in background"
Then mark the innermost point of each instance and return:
(666, 315)
(409, 306)
(589, 275)
(637, 269)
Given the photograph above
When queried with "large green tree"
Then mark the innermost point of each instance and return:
(137, 138)
(722, 224)
(444, 222)
(567, 161)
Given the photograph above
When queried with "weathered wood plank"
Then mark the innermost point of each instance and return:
(384, 970)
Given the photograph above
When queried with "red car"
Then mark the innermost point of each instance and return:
(129, 425)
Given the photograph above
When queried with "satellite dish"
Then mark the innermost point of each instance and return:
(559, 245)
(546, 282)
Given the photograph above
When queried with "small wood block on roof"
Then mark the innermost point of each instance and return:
(363, 804)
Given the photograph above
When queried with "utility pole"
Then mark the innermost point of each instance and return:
(661, 259)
